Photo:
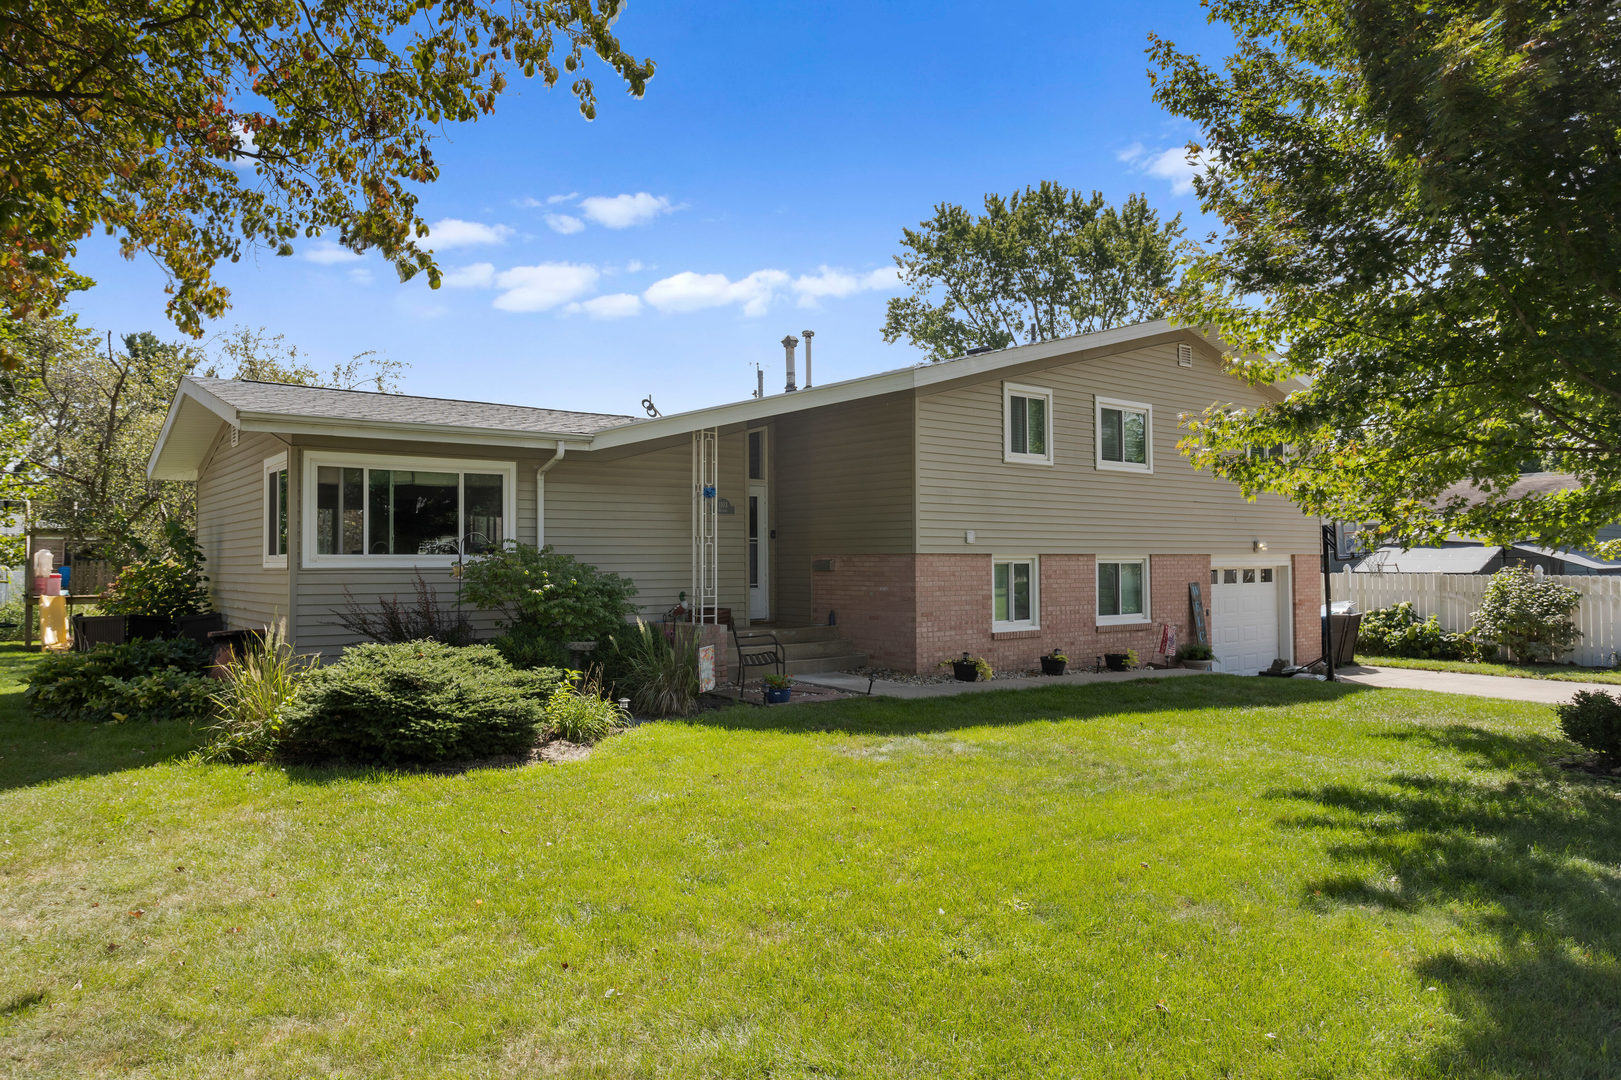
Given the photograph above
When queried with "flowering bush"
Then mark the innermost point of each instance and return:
(1527, 615)
(1398, 631)
(549, 597)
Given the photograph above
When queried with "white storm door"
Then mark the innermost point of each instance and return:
(1244, 619)
(759, 555)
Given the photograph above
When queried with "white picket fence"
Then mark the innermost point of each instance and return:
(1454, 597)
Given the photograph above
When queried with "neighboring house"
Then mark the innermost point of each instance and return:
(1001, 504)
(1462, 555)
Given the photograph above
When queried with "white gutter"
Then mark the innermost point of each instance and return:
(540, 492)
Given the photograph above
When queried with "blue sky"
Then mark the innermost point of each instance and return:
(758, 189)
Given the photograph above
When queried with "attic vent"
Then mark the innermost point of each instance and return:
(236, 433)
(1184, 355)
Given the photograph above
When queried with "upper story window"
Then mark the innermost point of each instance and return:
(275, 503)
(375, 510)
(1125, 435)
(1015, 594)
(1027, 420)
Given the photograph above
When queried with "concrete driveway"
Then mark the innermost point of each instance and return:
(1547, 691)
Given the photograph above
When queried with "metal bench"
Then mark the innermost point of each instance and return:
(757, 648)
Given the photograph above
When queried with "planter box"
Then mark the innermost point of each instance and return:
(149, 626)
(92, 630)
(965, 671)
(1049, 666)
(1115, 661)
(1198, 665)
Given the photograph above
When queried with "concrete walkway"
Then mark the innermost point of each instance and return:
(1547, 691)
(857, 684)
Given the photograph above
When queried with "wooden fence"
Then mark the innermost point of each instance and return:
(1453, 598)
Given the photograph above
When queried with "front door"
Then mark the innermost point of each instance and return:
(759, 555)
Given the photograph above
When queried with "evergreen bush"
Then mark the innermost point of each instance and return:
(1592, 720)
(148, 679)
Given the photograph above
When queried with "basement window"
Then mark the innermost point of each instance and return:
(1015, 595)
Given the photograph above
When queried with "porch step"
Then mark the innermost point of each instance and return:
(838, 662)
(792, 634)
(809, 649)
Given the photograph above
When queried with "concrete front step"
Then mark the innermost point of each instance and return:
(813, 665)
(793, 634)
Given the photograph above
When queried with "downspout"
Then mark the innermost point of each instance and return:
(540, 492)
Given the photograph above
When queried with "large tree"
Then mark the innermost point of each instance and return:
(1422, 211)
(1040, 264)
(196, 129)
(261, 356)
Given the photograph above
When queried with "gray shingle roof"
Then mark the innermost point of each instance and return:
(359, 405)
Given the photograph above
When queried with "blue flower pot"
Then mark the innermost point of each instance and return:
(778, 697)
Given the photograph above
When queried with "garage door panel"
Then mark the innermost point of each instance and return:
(1244, 620)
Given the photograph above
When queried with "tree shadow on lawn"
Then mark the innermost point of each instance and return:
(1532, 859)
(916, 716)
(38, 751)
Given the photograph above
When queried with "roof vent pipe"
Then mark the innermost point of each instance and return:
(808, 335)
(788, 344)
(759, 381)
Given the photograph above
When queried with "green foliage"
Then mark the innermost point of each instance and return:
(983, 671)
(555, 598)
(658, 672)
(142, 680)
(581, 716)
(1043, 263)
(1398, 631)
(1420, 209)
(393, 620)
(200, 132)
(525, 645)
(169, 585)
(1195, 650)
(1592, 720)
(416, 703)
(251, 701)
(778, 682)
(260, 356)
(1527, 615)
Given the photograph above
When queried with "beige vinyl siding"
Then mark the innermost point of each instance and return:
(1071, 506)
(841, 485)
(632, 515)
(318, 594)
(231, 529)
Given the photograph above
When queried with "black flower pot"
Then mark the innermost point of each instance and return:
(1115, 661)
(965, 670)
(1051, 665)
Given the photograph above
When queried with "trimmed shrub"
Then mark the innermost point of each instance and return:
(658, 671)
(1527, 615)
(142, 680)
(1398, 631)
(417, 703)
(556, 598)
(167, 585)
(1592, 720)
(249, 706)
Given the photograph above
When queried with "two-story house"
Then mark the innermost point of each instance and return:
(1002, 504)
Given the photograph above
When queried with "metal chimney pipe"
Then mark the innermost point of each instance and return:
(759, 381)
(788, 344)
(808, 335)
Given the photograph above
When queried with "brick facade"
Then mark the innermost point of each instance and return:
(1307, 574)
(910, 612)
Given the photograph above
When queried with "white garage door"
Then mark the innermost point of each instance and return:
(1244, 618)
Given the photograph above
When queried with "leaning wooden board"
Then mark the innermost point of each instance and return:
(1197, 601)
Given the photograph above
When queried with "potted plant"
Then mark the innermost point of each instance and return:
(970, 668)
(778, 689)
(1054, 663)
(1120, 661)
(1196, 655)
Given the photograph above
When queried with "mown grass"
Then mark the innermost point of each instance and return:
(1209, 876)
(1557, 672)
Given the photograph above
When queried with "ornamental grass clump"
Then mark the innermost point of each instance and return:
(419, 702)
(655, 668)
(583, 714)
(251, 702)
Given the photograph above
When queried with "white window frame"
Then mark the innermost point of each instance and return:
(315, 459)
(1148, 592)
(1013, 626)
(1009, 392)
(1148, 435)
(274, 465)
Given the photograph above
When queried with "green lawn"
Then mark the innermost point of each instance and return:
(1204, 877)
(1558, 672)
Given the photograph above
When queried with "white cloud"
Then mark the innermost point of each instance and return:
(612, 306)
(326, 253)
(553, 200)
(361, 275)
(831, 282)
(623, 211)
(1170, 165)
(1130, 153)
(688, 291)
(546, 285)
(244, 145)
(475, 276)
(454, 232)
(635, 266)
(564, 223)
